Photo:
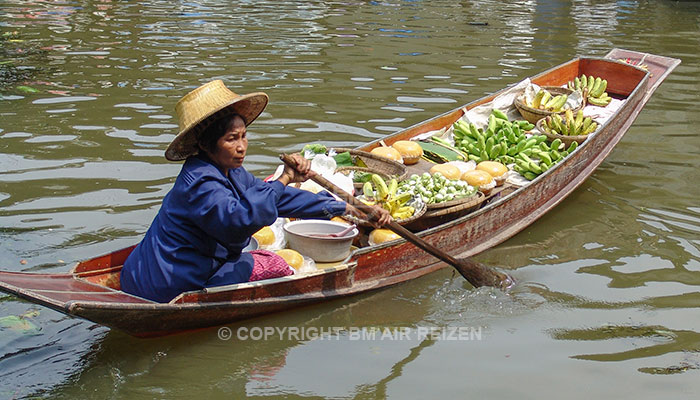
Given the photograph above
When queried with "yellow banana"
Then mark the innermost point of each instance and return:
(382, 189)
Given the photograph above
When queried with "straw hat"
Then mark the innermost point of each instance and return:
(204, 105)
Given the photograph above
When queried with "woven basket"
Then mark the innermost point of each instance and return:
(358, 185)
(433, 218)
(533, 115)
(416, 215)
(377, 163)
(451, 203)
(567, 140)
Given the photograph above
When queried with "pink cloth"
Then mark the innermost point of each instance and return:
(267, 264)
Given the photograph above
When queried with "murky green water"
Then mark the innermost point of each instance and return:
(609, 287)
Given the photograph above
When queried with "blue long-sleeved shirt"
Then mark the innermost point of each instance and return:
(205, 221)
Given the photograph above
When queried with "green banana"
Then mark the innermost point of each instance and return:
(591, 128)
(529, 175)
(597, 82)
(603, 87)
(499, 114)
(556, 143)
(474, 131)
(591, 83)
(556, 156)
(586, 123)
(495, 151)
(492, 123)
(489, 145)
(367, 190)
(599, 101)
(534, 167)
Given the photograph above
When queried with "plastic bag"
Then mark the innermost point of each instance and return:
(280, 240)
(309, 265)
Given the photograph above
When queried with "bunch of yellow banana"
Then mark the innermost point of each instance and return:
(378, 192)
(570, 125)
(544, 100)
(593, 88)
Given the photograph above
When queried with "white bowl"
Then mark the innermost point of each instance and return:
(253, 245)
(320, 249)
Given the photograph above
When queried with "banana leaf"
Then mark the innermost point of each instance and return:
(440, 153)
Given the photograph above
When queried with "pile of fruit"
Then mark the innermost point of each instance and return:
(435, 188)
(376, 191)
(546, 155)
(592, 88)
(569, 125)
(501, 141)
(544, 100)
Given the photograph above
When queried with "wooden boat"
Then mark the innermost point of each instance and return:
(91, 289)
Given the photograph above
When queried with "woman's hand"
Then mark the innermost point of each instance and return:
(301, 173)
(379, 217)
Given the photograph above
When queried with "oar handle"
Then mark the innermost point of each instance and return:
(393, 225)
(476, 273)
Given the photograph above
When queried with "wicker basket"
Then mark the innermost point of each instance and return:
(533, 115)
(420, 210)
(567, 140)
(377, 163)
(451, 203)
(358, 185)
(433, 218)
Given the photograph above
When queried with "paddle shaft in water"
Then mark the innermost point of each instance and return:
(476, 273)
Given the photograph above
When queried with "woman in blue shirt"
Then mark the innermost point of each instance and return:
(215, 205)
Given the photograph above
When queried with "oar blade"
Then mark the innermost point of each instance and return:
(478, 274)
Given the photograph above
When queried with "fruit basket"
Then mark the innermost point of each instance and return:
(533, 115)
(566, 139)
(452, 203)
(376, 163)
(363, 170)
(418, 205)
(435, 217)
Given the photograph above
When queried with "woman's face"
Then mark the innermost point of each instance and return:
(231, 147)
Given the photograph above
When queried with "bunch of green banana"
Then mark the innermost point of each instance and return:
(570, 125)
(546, 156)
(376, 191)
(544, 100)
(592, 88)
(501, 141)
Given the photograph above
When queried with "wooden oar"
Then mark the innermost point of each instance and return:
(476, 273)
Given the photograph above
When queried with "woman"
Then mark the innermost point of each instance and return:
(215, 205)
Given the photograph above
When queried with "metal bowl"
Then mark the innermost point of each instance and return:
(320, 249)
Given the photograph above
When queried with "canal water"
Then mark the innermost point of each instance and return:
(609, 281)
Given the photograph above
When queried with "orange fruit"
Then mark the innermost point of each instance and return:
(292, 257)
(265, 236)
(387, 152)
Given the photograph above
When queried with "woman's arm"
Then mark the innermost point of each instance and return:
(214, 208)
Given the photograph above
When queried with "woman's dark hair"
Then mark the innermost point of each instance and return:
(211, 134)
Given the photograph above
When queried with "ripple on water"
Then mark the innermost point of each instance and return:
(63, 99)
